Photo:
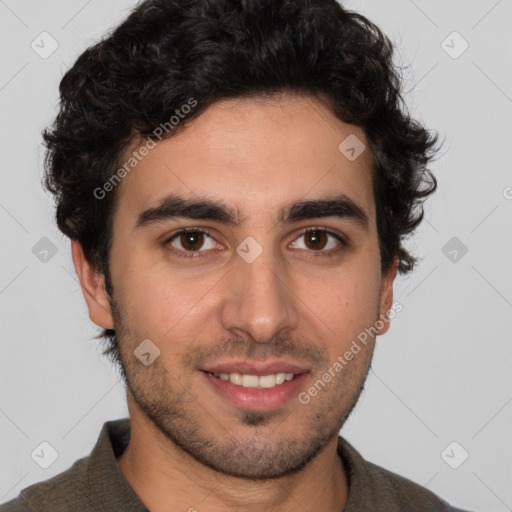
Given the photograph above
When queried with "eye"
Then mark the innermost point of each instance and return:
(190, 240)
(317, 240)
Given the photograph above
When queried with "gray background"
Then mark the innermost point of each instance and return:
(441, 374)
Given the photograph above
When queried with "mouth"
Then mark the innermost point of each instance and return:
(254, 381)
(256, 387)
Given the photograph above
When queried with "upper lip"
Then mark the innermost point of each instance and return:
(256, 368)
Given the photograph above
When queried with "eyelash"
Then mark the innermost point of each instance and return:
(197, 254)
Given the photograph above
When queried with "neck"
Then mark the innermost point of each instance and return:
(167, 478)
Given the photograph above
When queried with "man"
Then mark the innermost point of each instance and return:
(237, 178)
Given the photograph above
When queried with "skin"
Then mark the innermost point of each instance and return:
(291, 303)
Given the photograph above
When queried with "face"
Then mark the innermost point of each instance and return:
(277, 275)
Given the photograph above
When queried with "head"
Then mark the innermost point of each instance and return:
(276, 133)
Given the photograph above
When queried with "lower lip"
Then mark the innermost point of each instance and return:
(257, 399)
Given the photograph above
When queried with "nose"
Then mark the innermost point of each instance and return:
(260, 302)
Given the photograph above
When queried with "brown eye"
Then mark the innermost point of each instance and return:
(316, 240)
(320, 240)
(191, 241)
(186, 242)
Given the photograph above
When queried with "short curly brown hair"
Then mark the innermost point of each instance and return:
(168, 51)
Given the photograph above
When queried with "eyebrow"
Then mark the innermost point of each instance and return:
(175, 206)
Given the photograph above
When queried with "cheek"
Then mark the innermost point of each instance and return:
(159, 301)
(346, 303)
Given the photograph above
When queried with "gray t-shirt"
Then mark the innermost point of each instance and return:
(95, 483)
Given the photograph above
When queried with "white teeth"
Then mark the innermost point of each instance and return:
(236, 378)
(250, 381)
(253, 381)
(281, 377)
(268, 381)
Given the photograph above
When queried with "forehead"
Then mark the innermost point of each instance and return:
(255, 154)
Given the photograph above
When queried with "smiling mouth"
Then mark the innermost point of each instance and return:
(258, 389)
(255, 381)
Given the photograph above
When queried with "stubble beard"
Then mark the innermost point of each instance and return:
(177, 414)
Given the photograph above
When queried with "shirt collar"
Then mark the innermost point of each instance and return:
(106, 484)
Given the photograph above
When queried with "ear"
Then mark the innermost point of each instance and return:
(93, 288)
(386, 294)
